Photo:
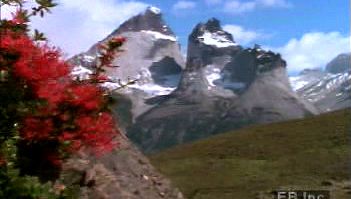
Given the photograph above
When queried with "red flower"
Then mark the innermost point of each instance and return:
(18, 17)
(35, 63)
(54, 159)
(67, 136)
(75, 145)
(2, 161)
(43, 73)
(87, 96)
(53, 92)
(99, 134)
(119, 40)
(108, 50)
(36, 129)
(102, 78)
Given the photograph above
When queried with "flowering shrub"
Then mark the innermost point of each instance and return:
(45, 114)
(108, 49)
(62, 107)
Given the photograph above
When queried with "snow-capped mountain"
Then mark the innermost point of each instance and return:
(328, 90)
(223, 87)
(209, 50)
(151, 56)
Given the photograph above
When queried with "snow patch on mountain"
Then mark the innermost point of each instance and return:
(212, 74)
(155, 10)
(325, 90)
(88, 58)
(158, 35)
(340, 77)
(216, 39)
(297, 83)
(212, 77)
(81, 73)
(150, 89)
(153, 89)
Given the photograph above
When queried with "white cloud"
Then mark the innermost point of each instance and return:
(242, 35)
(274, 3)
(313, 50)
(213, 2)
(182, 5)
(239, 7)
(75, 25)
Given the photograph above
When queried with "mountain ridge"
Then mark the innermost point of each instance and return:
(327, 89)
(202, 104)
(221, 86)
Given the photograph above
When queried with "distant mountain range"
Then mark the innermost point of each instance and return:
(220, 86)
(328, 90)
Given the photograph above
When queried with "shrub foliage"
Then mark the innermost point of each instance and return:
(45, 115)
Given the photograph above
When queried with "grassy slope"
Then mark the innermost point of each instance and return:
(259, 159)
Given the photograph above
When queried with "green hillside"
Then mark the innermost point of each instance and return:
(313, 153)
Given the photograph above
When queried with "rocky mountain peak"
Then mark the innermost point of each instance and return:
(149, 20)
(153, 10)
(266, 59)
(340, 64)
(211, 33)
(213, 25)
(207, 43)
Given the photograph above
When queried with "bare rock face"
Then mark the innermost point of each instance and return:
(269, 97)
(223, 87)
(125, 173)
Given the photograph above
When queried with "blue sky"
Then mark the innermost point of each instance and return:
(308, 33)
(275, 25)
(278, 23)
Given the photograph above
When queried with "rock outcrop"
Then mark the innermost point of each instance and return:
(124, 173)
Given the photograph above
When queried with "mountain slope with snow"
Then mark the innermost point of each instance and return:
(151, 56)
(327, 91)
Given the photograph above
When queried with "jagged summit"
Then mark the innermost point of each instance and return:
(211, 33)
(207, 42)
(149, 20)
(213, 25)
(154, 10)
(267, 60)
